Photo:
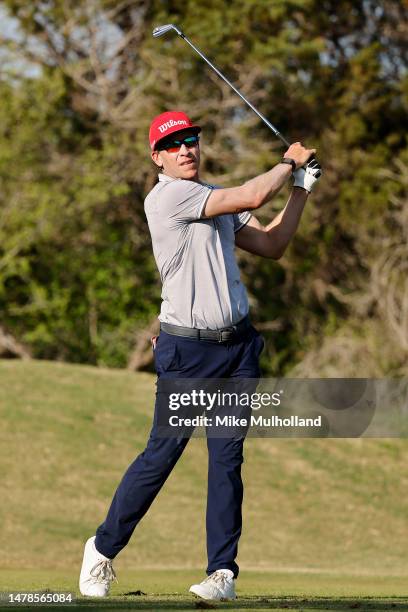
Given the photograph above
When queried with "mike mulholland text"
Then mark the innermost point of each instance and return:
(254, 421)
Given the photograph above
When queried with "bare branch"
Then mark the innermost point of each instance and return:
(9, 345)
(142, 354)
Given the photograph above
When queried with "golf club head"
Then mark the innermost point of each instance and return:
(160, 30)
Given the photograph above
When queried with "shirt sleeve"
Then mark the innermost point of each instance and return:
(182, 201)
(241, 219)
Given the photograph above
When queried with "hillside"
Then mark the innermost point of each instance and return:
(68, 432)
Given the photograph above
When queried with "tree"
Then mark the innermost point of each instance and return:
(77, 277)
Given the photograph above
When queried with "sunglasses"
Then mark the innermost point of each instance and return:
(173, 146)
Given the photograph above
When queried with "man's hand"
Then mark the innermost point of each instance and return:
(299, 154)
(308, 176)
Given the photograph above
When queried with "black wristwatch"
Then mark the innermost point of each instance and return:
(288, 160)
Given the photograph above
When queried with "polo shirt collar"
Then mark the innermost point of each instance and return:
(167, 179)
(164, 178)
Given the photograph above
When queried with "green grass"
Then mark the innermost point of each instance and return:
(322, 518)
(167, 589)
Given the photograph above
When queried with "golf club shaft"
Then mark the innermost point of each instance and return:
(224, 78)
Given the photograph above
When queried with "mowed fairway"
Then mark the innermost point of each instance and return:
(256, 590)
(325, 521)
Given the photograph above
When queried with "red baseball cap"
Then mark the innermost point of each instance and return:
(168, 123)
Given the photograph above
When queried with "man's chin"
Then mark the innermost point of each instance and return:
(189, 172)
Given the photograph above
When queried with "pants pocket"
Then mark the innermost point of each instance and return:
(165, 352)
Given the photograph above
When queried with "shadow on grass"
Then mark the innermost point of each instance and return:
(282, 604)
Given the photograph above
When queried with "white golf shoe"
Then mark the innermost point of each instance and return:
(97, 572)
(219, 586)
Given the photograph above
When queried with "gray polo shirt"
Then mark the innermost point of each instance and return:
(195, 256)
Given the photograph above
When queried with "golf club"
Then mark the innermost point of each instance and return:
(160, 30)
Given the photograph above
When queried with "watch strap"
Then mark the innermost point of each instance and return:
(290, 161)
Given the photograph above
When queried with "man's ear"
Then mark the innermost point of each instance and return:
(156, 157)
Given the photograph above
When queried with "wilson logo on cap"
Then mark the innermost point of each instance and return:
(169, 124)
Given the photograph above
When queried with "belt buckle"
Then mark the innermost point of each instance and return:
(229, 331)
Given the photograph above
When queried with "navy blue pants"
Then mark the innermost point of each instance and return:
(177, 357)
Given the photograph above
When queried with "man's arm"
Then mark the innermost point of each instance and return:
(272, 240)
(257, 191)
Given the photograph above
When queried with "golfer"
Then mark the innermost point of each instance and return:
(205, 332)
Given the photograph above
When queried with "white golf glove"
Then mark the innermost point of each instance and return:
(308, 175)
